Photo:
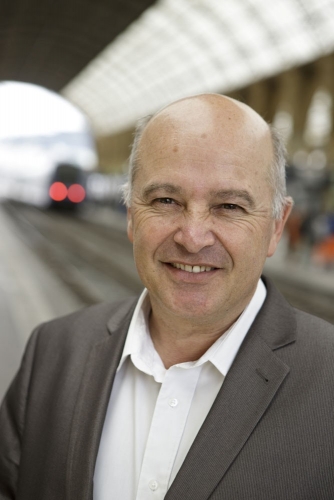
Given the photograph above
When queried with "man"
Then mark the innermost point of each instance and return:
(210, 386)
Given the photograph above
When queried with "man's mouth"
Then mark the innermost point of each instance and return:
(192, 269)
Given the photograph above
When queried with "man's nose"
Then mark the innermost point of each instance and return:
(194, 234)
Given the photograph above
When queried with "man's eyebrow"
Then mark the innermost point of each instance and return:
(223, 194)
(166, 187)
(227, 194)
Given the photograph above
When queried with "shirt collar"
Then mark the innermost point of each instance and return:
(138, 337)
(221, 354)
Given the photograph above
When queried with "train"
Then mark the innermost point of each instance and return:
(63, 186)
(67, 187)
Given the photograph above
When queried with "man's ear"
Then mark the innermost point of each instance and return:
(129, 224)
(279, 226)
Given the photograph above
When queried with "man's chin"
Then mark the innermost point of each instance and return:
(197, 309)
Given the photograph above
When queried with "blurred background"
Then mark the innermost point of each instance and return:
(75, 77)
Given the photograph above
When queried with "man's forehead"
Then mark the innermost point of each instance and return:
(208, 110)
(208, 119)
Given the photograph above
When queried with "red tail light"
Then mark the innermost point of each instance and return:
(58, 191)
(76, 193)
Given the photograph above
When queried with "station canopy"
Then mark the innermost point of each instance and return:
(182, 47)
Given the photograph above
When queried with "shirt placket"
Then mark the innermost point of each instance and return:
(167, 427)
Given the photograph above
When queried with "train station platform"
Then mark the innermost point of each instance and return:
(29, 295)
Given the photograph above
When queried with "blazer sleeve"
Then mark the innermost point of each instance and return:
(12, 422)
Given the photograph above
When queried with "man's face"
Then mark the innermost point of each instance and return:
(200, 219)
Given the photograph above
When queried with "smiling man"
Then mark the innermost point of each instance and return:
(202, 198)
(210, 385)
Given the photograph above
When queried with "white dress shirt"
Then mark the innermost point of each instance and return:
(154, 414)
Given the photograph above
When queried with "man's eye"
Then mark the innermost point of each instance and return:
(230, 206)
(165, 201)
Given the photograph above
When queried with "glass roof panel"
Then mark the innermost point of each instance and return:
(180, 47)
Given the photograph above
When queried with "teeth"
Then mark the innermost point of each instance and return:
(192, 269)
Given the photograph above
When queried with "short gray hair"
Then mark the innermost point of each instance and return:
(277, 173)
(134, 159)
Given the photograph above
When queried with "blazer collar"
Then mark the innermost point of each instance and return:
(276, 323)
(92, 403)
(252, 382)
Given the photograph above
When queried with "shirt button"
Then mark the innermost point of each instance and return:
(153, 484)
(173, 402)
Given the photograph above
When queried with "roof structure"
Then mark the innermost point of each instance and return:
(181, 47)
(48, 42)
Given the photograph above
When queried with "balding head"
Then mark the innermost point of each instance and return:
(213, 119)
(212, 111)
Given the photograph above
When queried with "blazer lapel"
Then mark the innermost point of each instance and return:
(92, 403)
(252, 382)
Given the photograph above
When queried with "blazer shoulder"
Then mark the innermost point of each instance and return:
(310, 357)
(102, 311)
(310, 325)
(280, 324)
(87, 324)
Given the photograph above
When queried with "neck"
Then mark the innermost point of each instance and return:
(184, 340)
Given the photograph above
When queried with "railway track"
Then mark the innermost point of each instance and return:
(96, 261)
(95, 265)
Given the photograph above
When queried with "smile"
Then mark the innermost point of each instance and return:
(192, 269)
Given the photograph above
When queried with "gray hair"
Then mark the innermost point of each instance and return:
(134, 159)
(277, 173)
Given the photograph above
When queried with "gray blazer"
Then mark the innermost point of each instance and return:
(269, 434)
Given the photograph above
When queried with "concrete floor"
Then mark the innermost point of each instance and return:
(29, 295)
